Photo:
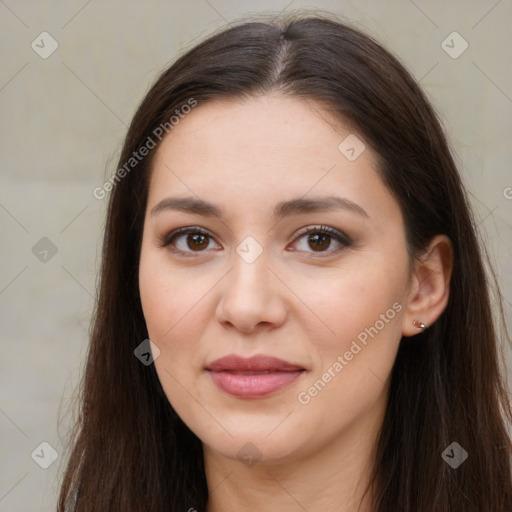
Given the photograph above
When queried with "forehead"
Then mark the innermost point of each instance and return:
(263, 150)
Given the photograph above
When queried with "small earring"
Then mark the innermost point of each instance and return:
(419, 325)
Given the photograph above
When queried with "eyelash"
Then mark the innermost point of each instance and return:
(340, 237)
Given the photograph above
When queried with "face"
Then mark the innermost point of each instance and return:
(272, 267)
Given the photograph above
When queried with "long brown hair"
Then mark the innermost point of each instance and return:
(131, 451)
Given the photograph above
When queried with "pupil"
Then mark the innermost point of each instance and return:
(322, 245)
(319, 241)
(197, 244)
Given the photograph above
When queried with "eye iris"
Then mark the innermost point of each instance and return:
(317, 241)
(199, 241)
(322, 244)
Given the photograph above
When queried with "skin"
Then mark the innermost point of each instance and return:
(304, 305)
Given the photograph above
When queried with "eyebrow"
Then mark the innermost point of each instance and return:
(281, 210)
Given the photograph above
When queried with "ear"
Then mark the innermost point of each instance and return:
(429, 286)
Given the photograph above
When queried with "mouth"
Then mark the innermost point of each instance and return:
(253, 377)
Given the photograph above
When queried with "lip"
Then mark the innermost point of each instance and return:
(252, 377)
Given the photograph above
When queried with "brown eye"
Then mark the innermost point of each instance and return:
(186, 241)
(319, 242)
(197, 241)
(320, 239)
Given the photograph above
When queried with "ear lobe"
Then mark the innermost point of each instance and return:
(430, 286)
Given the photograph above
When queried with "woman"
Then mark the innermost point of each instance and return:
(288, 228)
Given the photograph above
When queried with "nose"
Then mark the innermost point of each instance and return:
(252, 297)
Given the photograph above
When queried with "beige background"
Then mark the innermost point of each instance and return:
(61, 126)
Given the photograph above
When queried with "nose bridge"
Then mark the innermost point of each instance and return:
(251, 294)
(250, 274)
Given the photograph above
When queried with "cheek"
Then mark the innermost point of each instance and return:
(363, 311)
(176, 311)
(169, 297)
(354, 299)
(171, 319)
